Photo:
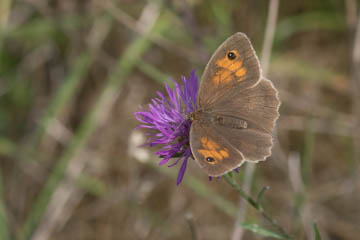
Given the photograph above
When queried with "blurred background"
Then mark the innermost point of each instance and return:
(72, 73)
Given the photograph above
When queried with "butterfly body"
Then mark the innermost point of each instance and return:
(237, 110)
(226, 121)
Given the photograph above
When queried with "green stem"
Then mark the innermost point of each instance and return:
(243, 194)
(255, 204)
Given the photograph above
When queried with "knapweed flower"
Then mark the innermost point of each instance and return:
(167, 117)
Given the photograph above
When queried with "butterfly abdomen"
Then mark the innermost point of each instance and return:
(226, 121)
(230, 122)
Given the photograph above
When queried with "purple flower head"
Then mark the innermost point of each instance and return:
(167, 117)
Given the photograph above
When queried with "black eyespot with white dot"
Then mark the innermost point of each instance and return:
(231, 55)
(210, 159)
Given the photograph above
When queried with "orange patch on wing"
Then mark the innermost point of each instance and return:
(223, 76)
(229, 70)
(235, 66)
(224, 62)
(224, 153)
(212, 149)
(206, 154)
(212, 145)
(241, 72)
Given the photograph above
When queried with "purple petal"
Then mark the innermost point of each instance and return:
(166, 117)
(181, 171)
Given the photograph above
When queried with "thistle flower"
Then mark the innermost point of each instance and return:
(167, 117)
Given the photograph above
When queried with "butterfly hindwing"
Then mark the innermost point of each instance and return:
(258, 106)
(212, 151)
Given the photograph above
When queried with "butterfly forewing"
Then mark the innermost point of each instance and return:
(233, 65)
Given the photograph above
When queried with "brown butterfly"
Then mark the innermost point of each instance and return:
(237, 110)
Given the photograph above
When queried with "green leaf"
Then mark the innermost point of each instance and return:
(262, 231)
(316, 232)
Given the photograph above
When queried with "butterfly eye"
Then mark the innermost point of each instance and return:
(231, 55)
(210, 159)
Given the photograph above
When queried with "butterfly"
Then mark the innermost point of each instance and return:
(236, 110)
